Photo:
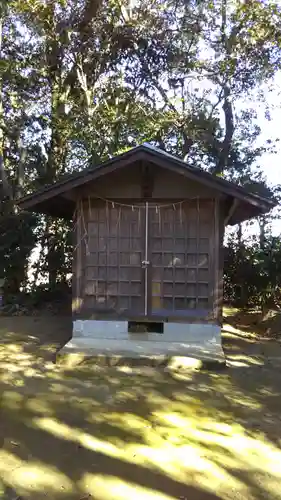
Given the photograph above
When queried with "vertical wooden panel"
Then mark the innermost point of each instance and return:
(74, 258)
(181, 242)
(220, 266)
(218, 271)
(77, 284)
(183, 251)
(114, 277)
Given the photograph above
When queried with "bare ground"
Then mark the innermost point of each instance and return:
(122, 433)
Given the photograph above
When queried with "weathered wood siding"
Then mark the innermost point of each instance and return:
(182, 257)
(184, 275)
(169, 185)
(126, 183)
(114, 281)
(78, 262)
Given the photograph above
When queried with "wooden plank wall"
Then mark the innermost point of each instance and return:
(218, 260)
(113, 273)
(79, 253)
(181, 249)
(91, 262)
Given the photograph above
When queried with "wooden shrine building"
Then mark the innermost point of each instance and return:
(148, 252)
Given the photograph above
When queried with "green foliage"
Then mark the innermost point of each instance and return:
(81, 81)
(17, 239)
(253, 274)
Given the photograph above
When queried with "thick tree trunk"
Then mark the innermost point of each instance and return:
(228, 135)
(225, 147)
(5, 188)
(58, 148)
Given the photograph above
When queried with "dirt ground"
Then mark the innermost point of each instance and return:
(121, 433)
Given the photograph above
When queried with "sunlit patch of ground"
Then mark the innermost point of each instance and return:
(253, 323)
(123, 433)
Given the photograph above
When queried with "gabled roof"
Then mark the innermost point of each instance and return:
(51, 199)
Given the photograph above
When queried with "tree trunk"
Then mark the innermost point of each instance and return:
(239, 235)
(262, 231)
(6, 188)
(57, 154)
(227, 105)
(51, 255)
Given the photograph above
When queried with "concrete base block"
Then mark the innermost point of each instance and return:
(111, 340)
(90, 328)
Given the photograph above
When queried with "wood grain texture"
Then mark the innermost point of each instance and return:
(181, 253)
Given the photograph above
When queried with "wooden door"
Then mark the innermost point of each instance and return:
(150, 261)
(180, 241)
(115, 277)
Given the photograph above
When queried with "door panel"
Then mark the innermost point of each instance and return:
(150, 261)
(179, 250)
(114, 274)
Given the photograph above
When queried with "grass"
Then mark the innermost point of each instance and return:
(122, 433)
(253, 323)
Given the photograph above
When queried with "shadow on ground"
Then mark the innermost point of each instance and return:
(122, 433)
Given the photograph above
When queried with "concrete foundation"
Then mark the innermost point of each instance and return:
(111, 338)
